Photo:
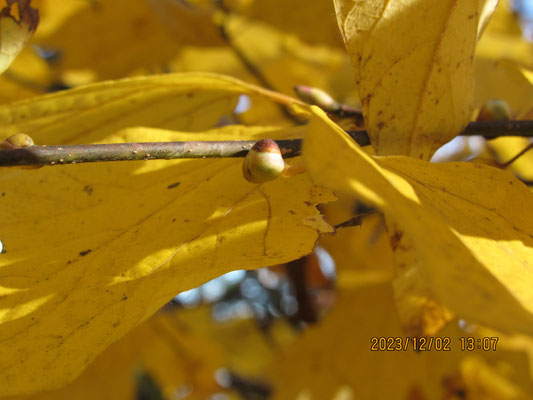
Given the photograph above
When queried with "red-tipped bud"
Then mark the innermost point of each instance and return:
(263, 162)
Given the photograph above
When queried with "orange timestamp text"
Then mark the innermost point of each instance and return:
(432, 343)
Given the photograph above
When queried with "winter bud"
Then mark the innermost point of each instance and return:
(263, 162)
(317, 97)
(494, 110)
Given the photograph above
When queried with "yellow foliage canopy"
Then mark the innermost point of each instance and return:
(92, 251)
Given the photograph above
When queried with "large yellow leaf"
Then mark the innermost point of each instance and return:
(189, 102)
(470, 225)
(414, 78)
(92, 250)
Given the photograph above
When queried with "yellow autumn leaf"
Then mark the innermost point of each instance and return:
(28, 76)
(414, 79)
(470, 225)
(121, 36)
(282, 60)
(364, 247)
(179, 349)
(92, 250)
(419, 312)
(109, 244)
(504, 149)
(313, 22)
(162, 347)
(188, 102)
(504, 80)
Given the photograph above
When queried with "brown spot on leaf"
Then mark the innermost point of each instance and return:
(88, 189)
(366, 99)
(173, 185)
(85, 252)
(395, 240)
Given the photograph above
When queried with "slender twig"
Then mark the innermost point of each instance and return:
(72, 154)
(297, 272)
(355, 221)
(495, 129)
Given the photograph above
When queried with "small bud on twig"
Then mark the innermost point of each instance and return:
(495, 110)
(317, 97)
(327, 103)
(263, 162)
(17, 141)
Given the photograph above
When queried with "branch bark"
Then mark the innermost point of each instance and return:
(73, 154)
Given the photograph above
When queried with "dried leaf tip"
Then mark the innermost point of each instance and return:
(28, 16)
(263, 162)
(15, 33)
